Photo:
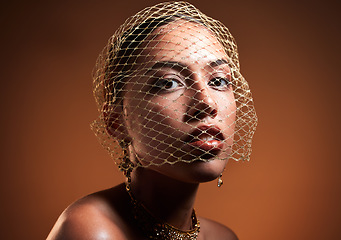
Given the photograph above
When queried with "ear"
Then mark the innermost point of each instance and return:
(114, 122)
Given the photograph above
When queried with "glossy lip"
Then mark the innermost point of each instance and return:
(207, 138)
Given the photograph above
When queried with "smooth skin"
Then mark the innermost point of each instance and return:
(198, 82)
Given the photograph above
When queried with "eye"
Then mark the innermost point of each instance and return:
(219, 83)
(168, 84)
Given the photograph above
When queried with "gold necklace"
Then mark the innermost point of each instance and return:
(155, 229)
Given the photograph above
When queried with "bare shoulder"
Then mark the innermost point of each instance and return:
(92, 217)
(214, 230)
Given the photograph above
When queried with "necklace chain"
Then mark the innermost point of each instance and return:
(155, 229)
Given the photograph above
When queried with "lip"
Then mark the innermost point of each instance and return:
(207, 138)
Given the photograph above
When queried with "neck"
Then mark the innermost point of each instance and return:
(166, 198)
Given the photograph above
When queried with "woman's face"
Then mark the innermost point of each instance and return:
(180, 105)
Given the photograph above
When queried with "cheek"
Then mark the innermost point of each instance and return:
(154, 114)
(227, 115)
(154, 125)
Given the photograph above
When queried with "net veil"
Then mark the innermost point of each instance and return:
(169, 89)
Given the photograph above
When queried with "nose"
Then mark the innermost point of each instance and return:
(201, 104)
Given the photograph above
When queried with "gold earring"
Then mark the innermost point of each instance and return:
(220, 180)
(126, 166)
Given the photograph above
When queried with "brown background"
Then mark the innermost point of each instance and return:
(289, 53)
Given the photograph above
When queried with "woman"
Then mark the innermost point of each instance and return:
(173, 102)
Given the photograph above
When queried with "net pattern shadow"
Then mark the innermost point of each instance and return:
(168, 88)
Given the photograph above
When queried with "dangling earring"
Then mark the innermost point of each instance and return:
(220, 180)
(126, 166)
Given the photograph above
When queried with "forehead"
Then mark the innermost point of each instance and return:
(182, 41)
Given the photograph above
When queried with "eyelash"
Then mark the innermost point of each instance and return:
(163, 83)
(220, 79)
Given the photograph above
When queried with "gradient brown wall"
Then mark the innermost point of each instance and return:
(289, 52)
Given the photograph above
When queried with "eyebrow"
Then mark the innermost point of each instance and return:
(218, 62)
(179, 66)
(168, 64)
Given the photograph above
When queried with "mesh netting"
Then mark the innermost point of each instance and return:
(169, 89)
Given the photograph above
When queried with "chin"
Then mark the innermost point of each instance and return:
(206, 171)
(198, 171)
